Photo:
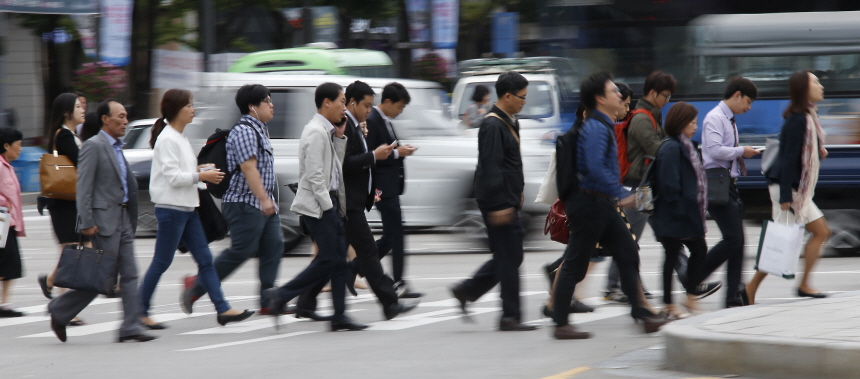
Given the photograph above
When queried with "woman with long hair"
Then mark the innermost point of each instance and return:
(680, 203)
(173, 188)
(66, 113)
(794, 174)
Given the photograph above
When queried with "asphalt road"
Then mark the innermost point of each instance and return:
(430, 342)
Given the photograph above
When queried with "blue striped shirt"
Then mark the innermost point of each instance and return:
(597, 158)
(242, 145)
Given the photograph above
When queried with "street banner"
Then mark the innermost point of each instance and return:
(50, 6)
(86, 25)
(176, 69)
(418, 16)
(446, 31)
(115, 43)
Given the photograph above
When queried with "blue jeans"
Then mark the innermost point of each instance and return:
(173, 226)
(252, 234)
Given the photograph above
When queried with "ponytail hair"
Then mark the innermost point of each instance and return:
(171, 103)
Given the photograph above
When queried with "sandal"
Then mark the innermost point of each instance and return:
(77, 322)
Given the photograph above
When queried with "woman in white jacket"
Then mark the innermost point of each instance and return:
(173, 188)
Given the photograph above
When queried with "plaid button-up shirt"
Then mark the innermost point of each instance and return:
(242, 144)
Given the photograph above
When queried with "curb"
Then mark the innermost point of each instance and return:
(29, 198)
(691, 348)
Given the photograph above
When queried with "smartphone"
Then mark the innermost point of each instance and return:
(395, 143)
(760, 149)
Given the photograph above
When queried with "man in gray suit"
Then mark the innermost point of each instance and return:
(321, 203)
(107, 207)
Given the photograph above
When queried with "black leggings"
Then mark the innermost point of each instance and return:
(698, 249)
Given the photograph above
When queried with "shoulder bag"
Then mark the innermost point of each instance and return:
(57, 175)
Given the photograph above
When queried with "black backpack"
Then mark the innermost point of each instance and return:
(567, 176)
(215, 151)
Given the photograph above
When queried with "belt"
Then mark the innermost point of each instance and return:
(595, 193)
(332, 193)
(124, 205)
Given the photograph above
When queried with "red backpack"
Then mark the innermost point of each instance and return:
(621, 139)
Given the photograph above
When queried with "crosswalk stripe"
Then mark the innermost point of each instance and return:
(294, 334)
(421, 319)
(112, 325)
(246, 326)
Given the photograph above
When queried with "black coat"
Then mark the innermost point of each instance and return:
(787, 167)
(357, 165)
(676, 209)
(389, 174)
(499, 179)
(66, 145)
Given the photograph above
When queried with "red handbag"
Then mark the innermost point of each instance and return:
(556, 224)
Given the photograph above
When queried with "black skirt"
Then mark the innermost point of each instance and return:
(64, 217)
(10, 258)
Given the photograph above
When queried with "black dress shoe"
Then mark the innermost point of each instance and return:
(137, 338)
(579, 307)
(395, 309)
(547, 312)
(403, 291)
(461, 297)
(158, 326)
(509, 324)
(59, 329)
(304, 313)
(346, 324)
(653, 323)
(816, 295)
(276, 306)
(43, 283)
(350, 283)
(224, 319)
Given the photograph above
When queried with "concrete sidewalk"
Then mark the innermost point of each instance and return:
(805, 338)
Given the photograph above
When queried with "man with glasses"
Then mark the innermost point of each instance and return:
(499, 192)
(249, 202)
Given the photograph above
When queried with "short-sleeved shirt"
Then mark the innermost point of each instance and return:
(242, 144)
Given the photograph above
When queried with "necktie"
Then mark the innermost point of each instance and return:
(741, 164)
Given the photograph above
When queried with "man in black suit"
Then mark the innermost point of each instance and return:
(358, 166)
(389, 177)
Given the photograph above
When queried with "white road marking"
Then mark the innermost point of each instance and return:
(246, 326)
(294, 334)
(421, 319)
(112, 325)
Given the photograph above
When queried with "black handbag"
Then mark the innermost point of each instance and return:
(88, 269)
(718, 185)
(214, 224)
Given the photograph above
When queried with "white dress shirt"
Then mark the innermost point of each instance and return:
(719, 138)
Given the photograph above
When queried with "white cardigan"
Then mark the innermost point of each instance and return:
(173, 179)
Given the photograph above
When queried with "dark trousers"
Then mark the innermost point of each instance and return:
(595, 219)
(637, 226)
(506, 244)
(730, 220)
(366, 263)
(392, 234)
(674, 251)
(330, 263)
(251, 234)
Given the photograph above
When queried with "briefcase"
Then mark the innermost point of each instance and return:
(718, 185)
(88, 269)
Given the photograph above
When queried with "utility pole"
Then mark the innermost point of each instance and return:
(207, 32)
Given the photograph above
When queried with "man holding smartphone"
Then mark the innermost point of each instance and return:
(390, 179)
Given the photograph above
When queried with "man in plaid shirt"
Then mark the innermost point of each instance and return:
(249, 202)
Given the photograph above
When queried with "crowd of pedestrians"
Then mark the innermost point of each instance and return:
(350, 160)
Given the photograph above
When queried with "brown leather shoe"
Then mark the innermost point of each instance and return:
(569, 332)
(509, 324)
(652, 324)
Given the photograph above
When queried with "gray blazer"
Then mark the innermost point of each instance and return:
(317, 150)
(99, 188)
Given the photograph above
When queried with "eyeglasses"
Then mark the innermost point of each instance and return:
(268, 101)
(521, 97)
(667, 96)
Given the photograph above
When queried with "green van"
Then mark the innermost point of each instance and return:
(317, 60)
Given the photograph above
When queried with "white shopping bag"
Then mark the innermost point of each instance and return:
(779, 248)
(5, 221)
(548, 192)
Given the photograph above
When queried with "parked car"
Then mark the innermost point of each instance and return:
(439, 177)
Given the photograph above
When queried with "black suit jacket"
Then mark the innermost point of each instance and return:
(389, 173)
(357, 164)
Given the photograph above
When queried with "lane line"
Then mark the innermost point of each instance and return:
(568, 373)
(294, 334)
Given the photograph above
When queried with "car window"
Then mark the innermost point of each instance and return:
(293, 110)
(138, 137)
(538, 105)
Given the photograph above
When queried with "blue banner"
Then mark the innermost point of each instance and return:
(50, 6)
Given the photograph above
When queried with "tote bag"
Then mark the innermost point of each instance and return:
(779, 248)
(548, 192)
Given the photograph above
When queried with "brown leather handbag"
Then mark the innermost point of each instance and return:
(57, 175)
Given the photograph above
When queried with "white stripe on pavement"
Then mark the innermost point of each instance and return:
(112, 325)
(421, 319)
(294, 334)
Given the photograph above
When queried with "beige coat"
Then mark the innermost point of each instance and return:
(318, 151)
